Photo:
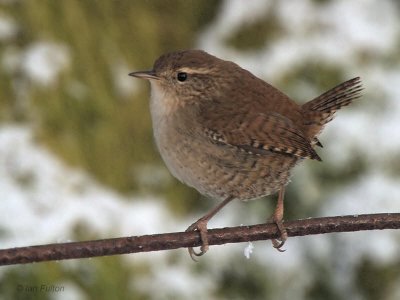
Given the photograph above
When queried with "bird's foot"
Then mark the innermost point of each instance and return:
(200, 226)
(278, 243)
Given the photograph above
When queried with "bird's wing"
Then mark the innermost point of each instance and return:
(261, 133)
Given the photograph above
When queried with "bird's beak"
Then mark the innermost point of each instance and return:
(145, 75)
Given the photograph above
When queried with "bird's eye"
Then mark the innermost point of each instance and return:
(182, 76)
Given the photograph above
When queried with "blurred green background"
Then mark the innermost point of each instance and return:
(86, 117)
(92, 116)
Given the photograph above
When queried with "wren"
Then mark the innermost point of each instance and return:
(231, 135)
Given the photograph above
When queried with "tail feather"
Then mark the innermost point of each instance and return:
(321, 110)
(339, 96)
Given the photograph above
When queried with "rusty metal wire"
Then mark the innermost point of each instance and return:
(168, 241)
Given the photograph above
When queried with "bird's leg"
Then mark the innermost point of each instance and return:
(277, 218)
(201, 226)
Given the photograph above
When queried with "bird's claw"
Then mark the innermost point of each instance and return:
(278, 243)
(201, 227)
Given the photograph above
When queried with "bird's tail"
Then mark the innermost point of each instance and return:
(321, 110)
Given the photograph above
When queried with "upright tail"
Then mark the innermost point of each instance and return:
(321, 110)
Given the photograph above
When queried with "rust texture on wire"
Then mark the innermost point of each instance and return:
(168, 241)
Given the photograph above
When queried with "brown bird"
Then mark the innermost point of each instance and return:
(231, 135)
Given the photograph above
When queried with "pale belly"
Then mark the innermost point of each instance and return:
(220, 171)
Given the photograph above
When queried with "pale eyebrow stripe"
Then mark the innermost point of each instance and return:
(195, 71)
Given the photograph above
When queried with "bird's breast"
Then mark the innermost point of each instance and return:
(214, 169)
